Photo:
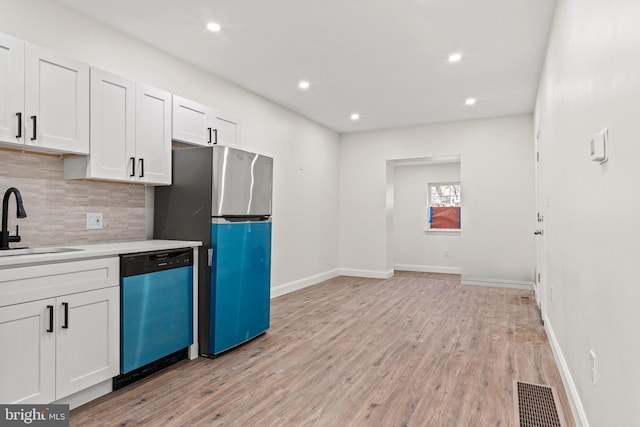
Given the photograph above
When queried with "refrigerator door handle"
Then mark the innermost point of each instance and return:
(209, 256)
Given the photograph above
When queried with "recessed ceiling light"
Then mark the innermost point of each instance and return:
(213, 26)
(355, 116)
(303, 84)
(455, 57)
(470, 101)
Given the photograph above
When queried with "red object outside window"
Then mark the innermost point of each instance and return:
(445, 217)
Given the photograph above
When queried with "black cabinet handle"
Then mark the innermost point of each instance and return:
(133, 166)
(215, 131)
(19, 135)
(209, 135)
(141, 168)
(35, 126)
(50, 307)
(65, 325)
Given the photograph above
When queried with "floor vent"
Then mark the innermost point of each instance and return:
(536, 406)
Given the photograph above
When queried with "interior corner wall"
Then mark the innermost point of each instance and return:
(305, 196)
(589, 83)
(497, 177)
(414, 248)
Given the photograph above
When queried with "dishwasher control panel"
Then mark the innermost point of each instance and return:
(149, 262)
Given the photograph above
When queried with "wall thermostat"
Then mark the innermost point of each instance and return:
(599, 147)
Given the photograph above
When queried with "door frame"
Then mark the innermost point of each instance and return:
(539, 280)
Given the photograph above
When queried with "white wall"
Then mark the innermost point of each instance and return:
(497, 245)
(592, 228)
(414, 248)
(305, 207)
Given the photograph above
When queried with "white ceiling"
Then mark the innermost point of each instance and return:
(385, 59)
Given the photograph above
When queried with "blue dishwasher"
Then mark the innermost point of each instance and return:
(156, 290)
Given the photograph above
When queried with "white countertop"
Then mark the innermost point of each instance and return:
(95, 250)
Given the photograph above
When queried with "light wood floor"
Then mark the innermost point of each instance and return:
(415, 350)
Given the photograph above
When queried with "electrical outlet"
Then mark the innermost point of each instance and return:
(446, 254)
(592, 364)
(94, 221)
(551, 293)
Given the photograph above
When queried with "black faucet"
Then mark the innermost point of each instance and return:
(4, 236)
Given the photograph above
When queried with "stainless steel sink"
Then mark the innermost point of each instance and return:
(36, 251)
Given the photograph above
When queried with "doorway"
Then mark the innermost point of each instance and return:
(414, 245)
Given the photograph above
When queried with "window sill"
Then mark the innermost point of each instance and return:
(443, 231)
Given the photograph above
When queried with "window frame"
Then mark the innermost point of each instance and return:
(452, 231)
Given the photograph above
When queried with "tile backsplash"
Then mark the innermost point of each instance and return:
(56, 208)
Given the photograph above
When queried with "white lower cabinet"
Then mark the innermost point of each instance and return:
(54, 347)
(28, 358)
(87, 340)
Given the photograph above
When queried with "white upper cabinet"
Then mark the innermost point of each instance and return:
(198, 124)
(228, 130)
(44, 98)
(130, 133)
(193, 123)
(56, 101)
(112, 126)
(153, 136)
(11, 90)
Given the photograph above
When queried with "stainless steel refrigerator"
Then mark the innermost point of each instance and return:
(222, 197)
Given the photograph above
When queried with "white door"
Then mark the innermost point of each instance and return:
(27, 359)
(540, 278)
(112, 126)
(88, 346)
(56, 101)
(192, 122)
(227, 130)
(11, 90)
(153, 136)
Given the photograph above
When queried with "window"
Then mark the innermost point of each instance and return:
(444, 206)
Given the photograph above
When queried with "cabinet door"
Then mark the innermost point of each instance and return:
(27, 359)
(56, 101)
(228, 130)
(88, 339)
(11, 89)
(112, 126)
(153, 135)
(192, 122)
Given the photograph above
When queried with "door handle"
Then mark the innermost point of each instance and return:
(19, 135)
(538, 232)
(35, 126)
(65, 325)
(133, 166)
(50, 329)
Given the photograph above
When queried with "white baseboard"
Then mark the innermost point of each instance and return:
(428, 268)
(371, 274)
(497, 283)
(88, 394)
(579, 415)
(305, 282)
